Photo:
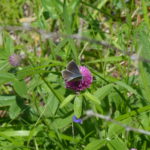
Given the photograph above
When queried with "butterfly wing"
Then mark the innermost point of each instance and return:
(70, 76)
(72, 67)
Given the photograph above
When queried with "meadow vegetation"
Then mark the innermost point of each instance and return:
(39, 38)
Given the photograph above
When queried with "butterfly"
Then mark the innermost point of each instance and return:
(72, 72)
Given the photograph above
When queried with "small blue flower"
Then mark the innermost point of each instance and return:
(76, 120)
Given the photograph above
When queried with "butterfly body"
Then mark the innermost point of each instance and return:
(72, 72)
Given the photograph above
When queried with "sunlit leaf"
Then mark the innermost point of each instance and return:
(77, 106)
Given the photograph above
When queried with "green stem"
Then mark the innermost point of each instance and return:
(49, 85)
(52, 90)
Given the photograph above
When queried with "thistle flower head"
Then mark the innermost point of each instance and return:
(15, 60)
(82, 84)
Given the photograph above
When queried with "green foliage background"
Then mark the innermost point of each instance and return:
(39, 107)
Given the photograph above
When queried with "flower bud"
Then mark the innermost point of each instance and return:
(15, 60)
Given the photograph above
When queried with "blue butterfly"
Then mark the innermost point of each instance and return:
(72, 72)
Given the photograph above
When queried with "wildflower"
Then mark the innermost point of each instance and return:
(82, 84)
(76, 120)
(15, 60)
(133, 149)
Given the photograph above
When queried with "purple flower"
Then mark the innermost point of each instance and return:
(81, 84)
(15, 60)
(133, 149)
(76, 120)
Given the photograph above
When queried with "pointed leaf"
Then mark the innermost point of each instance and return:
(117, 144)
(16, 133)
(61, 123)
(7, 100)
(101, 93)
(6, 77)
(10, 101)
(95, 145)
(128, 88)
(20, 88)
(92, 98)
(67, 100)
(77, 107)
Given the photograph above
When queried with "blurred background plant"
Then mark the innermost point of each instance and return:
(111, 38)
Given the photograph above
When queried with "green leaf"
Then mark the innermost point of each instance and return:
(107, 59)
(3, 55)
(21, 133)
(144, 67)
(101, 93)
(72, 6)
(117, 144)
(21, 88)
(50, 107)
(7, 100)
(67, 100)
(62, 123)
(10, 101)
(64, 137)
(14, 110)
(92, 98)
(53, 7)
(128, 88)
(4, 65)
(29, 71)
(9, 46)
(145, 12)
(77, 107)
(6, 77)
(133, 113)
(144, 81)
(95, 145)
(144, 78)
(115, 129)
